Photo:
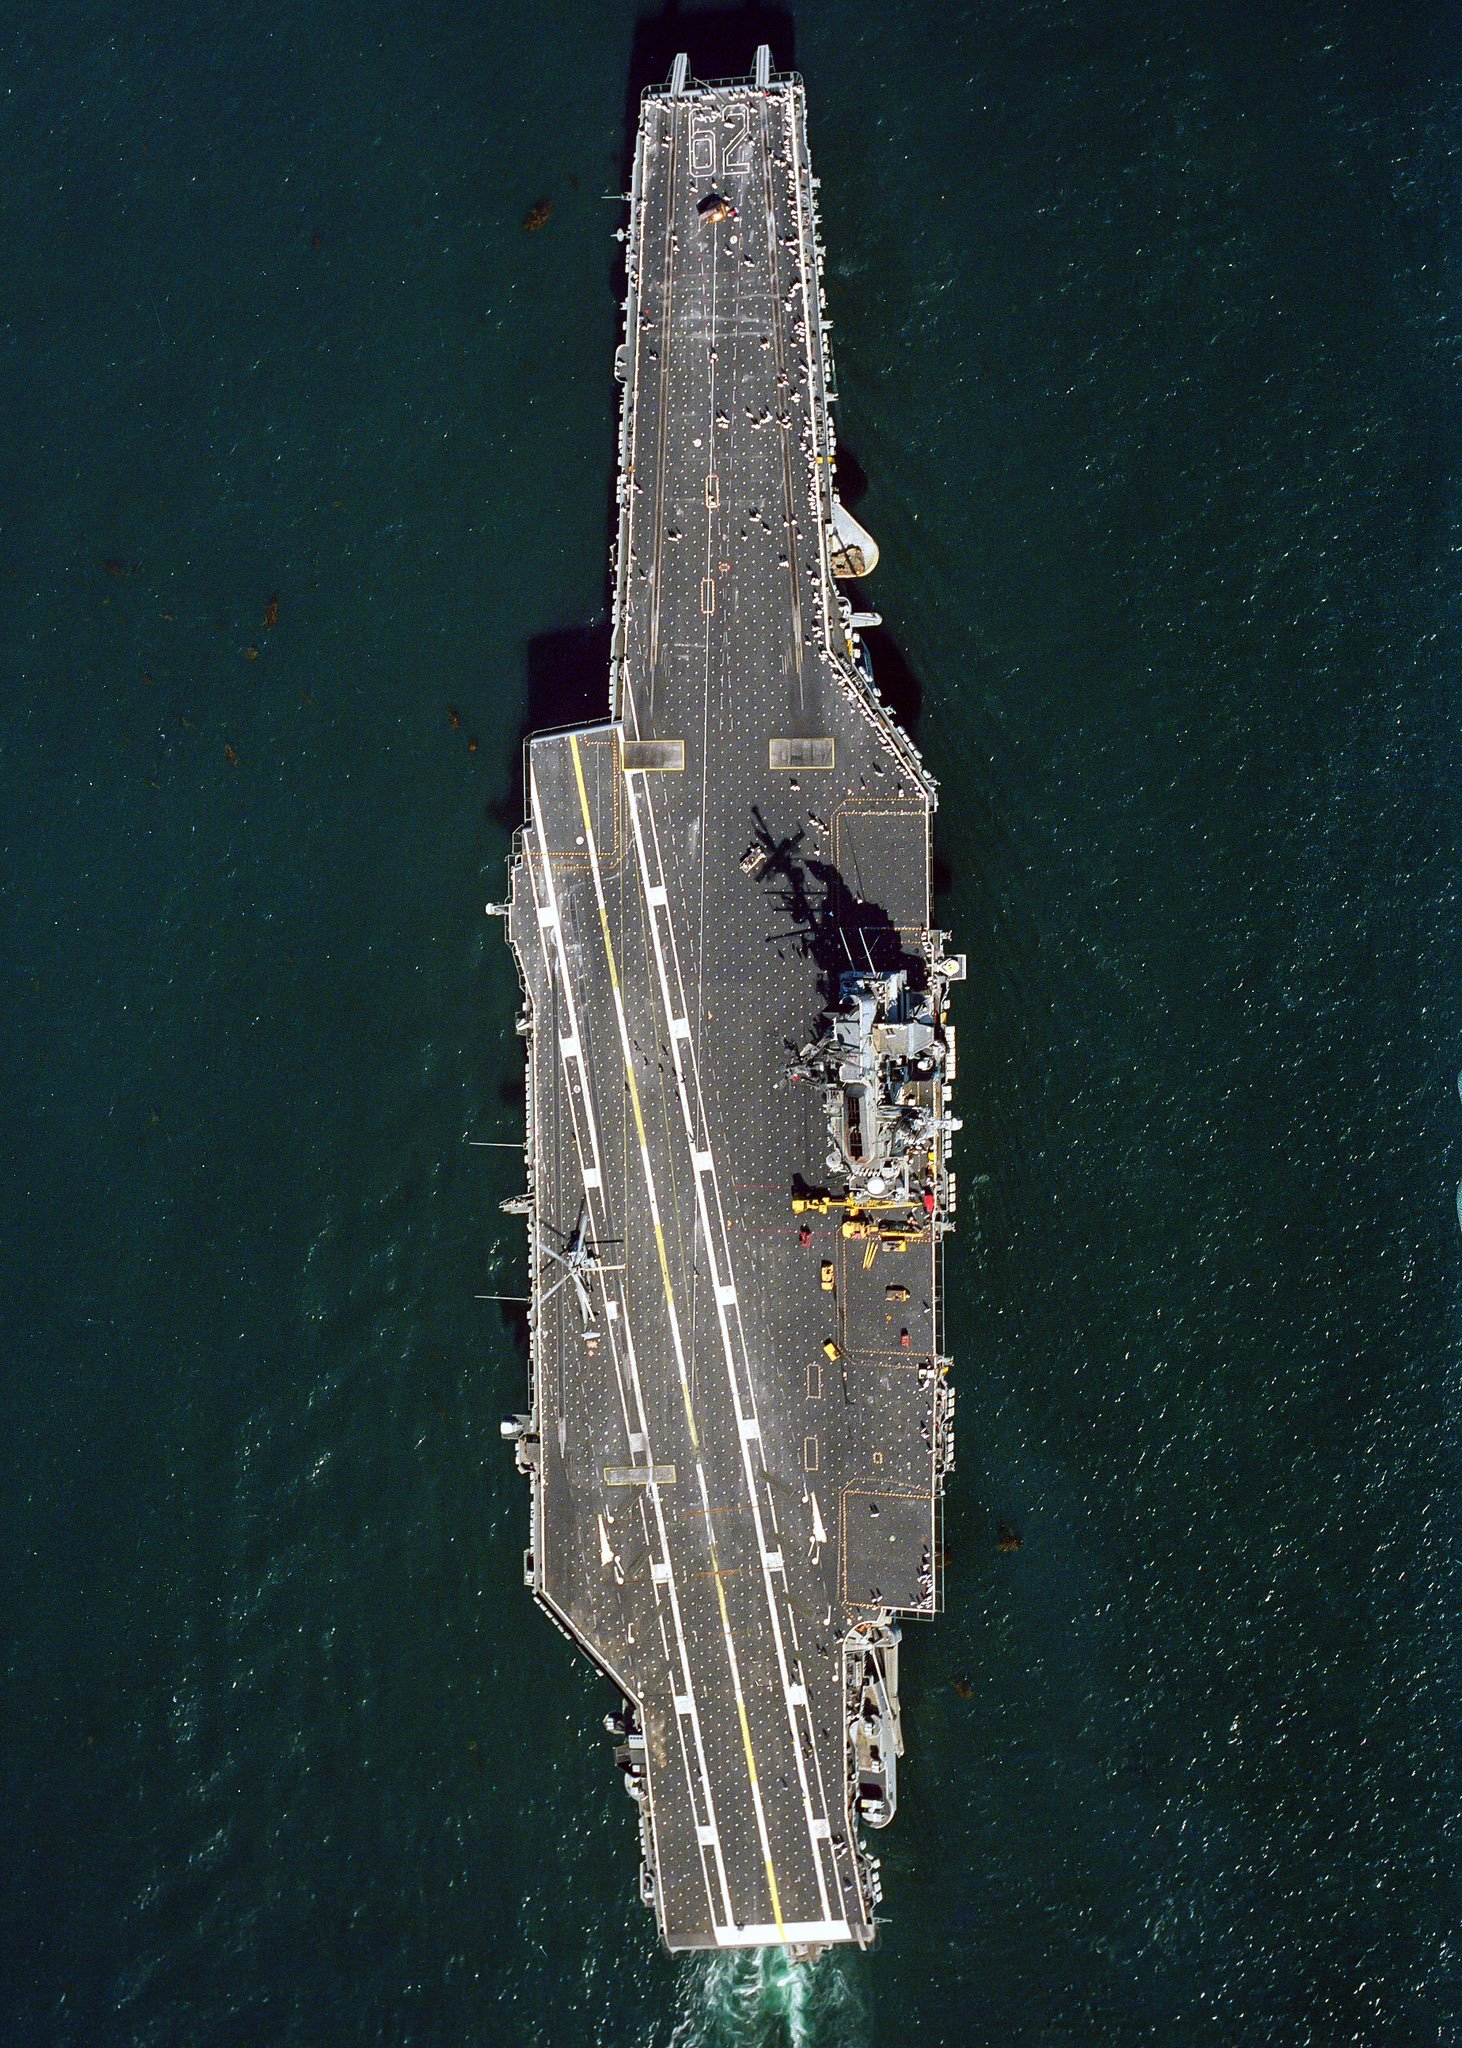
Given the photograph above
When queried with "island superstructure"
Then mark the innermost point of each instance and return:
(739, 1062)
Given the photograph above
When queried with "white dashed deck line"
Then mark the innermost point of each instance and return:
(620, 1322)
(725, 1291)
(673, 1319)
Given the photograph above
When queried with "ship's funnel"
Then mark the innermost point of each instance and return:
(851, 547)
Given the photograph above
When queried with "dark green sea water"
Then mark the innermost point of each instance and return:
(1146, 322)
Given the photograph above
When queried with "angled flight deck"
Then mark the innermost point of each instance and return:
(739, 1056)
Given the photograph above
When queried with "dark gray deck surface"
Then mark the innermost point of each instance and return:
(668, 992)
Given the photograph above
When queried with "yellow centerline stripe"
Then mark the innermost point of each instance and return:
(634, 1096)
(681, 1062)
(701, 1763)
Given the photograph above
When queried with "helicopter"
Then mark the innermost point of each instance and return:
(580, 1262)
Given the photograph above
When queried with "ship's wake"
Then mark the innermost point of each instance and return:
(757, 1998)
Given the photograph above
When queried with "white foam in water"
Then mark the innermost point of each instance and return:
(758, 1998)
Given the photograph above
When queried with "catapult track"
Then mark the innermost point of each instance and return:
(741, 1416)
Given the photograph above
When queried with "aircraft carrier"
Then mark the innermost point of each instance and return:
(739, 1063)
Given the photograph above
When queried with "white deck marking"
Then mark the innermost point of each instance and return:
(718, 1252)
(663, 410)
(677, 1342)
(614, 1322)
(794, 1930)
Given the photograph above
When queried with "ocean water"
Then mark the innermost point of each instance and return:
(1145, 319)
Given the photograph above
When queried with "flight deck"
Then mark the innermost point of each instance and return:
(739, 1062)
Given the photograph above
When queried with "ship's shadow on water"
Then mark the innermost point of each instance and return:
(566, 683)
(756, 1998)
(568, 668)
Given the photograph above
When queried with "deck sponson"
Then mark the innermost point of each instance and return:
(667, 993)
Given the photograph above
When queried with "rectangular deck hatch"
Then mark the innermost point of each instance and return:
(639, 1475)
(803, 754)
(659, 757)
